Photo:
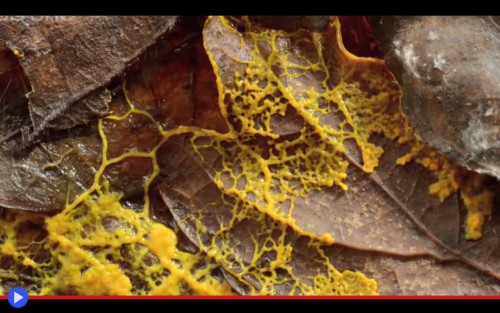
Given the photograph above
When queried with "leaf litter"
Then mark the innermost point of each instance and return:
(277, 175)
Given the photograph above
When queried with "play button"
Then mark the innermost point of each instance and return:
(18, 297)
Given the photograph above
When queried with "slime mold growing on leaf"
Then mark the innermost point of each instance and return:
(219, 200)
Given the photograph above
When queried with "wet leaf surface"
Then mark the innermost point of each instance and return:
(69, 60)
(393, 202)
(241, 158)
(448, 69)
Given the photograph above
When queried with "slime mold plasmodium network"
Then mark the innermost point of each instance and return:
(289, 103)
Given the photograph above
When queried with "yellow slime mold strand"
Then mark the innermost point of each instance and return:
(323, 162)
(157, 238)
(266, 198)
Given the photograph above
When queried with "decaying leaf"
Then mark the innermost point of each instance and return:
(358, 37)
(448, 67)
(245, 159)
(69, 60)
(366, 216)
(52, 174)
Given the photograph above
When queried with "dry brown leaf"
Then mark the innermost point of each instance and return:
(70, 60)
(388, 213)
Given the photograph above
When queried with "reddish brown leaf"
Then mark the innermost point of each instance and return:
(69, 60)
(388, 214)
(358, 37)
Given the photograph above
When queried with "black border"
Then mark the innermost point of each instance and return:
(226, 7)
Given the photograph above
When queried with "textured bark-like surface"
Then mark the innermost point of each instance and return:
(69, 60)
(449, 69)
